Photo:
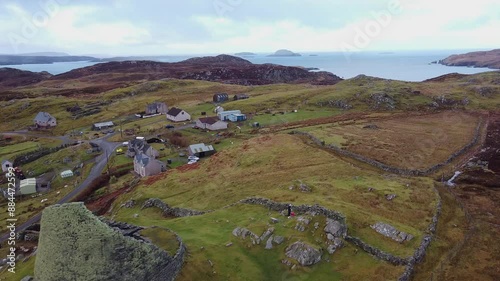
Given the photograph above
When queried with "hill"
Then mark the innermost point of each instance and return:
(490, 59)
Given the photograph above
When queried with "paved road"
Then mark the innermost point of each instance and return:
(101, 161)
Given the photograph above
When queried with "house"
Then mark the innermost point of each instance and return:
(224, 115)
(147, 166)
(221, 97)
(138, 146)
(66, 174)
(156, 107)
(201, 150)
(237, 117)
(240, 97)
(45, 120)
(102, 125)
(178, 115)
(211, 123)
(6, 164)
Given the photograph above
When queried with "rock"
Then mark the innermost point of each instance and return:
(211, 263)
(390, 197)
(304, 220)
(371, 126)
(278, 240)
(269, 243)
(266, 234)
(286, 262)
(335, 228)
(303, 253)
(390, 231)
(300, 227)
(136, 215)
(330, 237)
(27, 278)
(129, 204)
(229, 244)
(371, 189)
(237, 231)
(275, 220)
(304, 188)
(316, 225)
(337, 243)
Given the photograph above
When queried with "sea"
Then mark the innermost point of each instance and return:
(398, 65)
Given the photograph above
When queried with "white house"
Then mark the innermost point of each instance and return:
(178, 115)
(146, 166)
(211, 123)
(45, 120)
(5, 165)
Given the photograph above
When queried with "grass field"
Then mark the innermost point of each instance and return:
(412, 142)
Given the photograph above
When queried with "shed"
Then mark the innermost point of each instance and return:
(27, 186)
(201, 150)
(240, 97)
(237, 117)
(102, 125)
(221, 97)
(66, 174)
(224, 115)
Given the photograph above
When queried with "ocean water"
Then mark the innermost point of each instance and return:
(399, 65)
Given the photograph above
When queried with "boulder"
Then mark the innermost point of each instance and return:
(335, 228)
(390, 231)
(390, 197)
(269, 243)
(337, 243)
(279, 240)
(304, 254)
(267, 233)
(27, 278)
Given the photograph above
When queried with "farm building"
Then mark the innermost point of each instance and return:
(66, 174)
(102, 125)
(6, 164)
(240, 97)
(27, 186)
(201, 150)
(45, 120)
(211, 123)
(237, 117)
(156, 107)
(221, 97)
(147, 166)
(178, 115)
(224, 115)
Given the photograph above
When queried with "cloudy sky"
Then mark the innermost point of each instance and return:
(163, 27)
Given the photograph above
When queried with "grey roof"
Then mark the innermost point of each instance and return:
(174, 111)
(209, 120)
(200, 147)
(142, 159)
(43, 117)
(104, 124)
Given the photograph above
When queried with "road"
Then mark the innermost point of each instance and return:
(101, 161)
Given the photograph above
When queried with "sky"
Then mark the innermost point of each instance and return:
(167, 27)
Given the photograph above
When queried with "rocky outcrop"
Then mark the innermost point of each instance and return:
(335, 228)
(169, 211)
(303, 253)
(76, 245)
(490, 59)
(390, 231)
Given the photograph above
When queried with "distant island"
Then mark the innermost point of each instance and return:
(284, 53)
(245, 54)
(38, 59)
(489, 59)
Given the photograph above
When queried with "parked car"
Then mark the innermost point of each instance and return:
(170, 126)
(192, 162)
(193, 158)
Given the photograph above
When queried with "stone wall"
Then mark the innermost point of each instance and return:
(169, 211)
(391, 169)
(75, 245)
(376, 252)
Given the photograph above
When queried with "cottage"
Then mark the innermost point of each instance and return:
(178, 115)
(211, 123)
(240, 97)
(102, 125)
(45, 120)
(146, 166)
(224, 115)
(221, 97)
(138, 146)
(156, 107)
(6, 164)
(201, 150)
(237, 117)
